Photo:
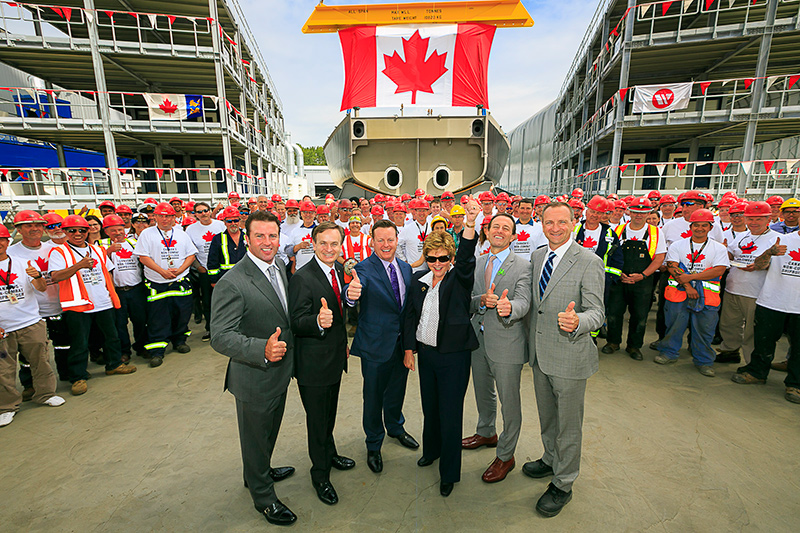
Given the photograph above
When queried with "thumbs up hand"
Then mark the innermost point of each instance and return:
(32, 272)
(568, 320)
(354, 289)
(778, 248)
(276, 348)
(504, 305)
(490, 299)
(325, 316)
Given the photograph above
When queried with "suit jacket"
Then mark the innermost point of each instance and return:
(506, 338)
(454, 333)
(379, 318)
(580, 278)
(320, 357)
(245, 310)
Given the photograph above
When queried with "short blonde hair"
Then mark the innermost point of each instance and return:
(439, 239)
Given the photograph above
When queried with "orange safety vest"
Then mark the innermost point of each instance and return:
(363, 249)
(72, 291)
(710, 291)
(652, 237)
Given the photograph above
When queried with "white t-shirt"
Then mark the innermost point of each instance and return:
(410, 241)
(18, 284)
(481, 216)
(49, 304)
(483, 249)
(127, 271)
(153, 243)
(782, 284)
(201, 238)
(678, 228)
(287, 228)
(93, 279)
(591, 238)
(705, 255)
(729, 235)
(744, 249)
(344, 225)
(301, 257)
(642, 234)
(529, 238)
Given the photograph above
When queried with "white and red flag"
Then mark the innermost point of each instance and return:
(430, 65)
(661, 98)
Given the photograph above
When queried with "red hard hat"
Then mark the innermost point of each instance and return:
(729, 194)
(757, 209)
(775, 200)
(577, 193)
(372, 201)
(597, 203)
(653, 195)
(447, 195)
(486, 196)
(164, 209)
(270, 204)
(188, 221)
(376, 211)
(345, 203)
(53, 218)
(726, 202)
(419, 192)
(428, 198)
(329, 195)
(502, 197)
(323, 210)
(4, 234)
(233, 194)
(124, 209)
(112, 220)
(641, 205)
(74, 221)
(28, 217)
(695, 195)
(702, 215)
(176, 199)
(292, 203)
(401, 207)
(189, 206)
(405, 197)
(541, 199)
(150, 201)
(308, 205)
(230, 212)
(380, 198)
(620, 204)
(277, 198)
(464, 199)
(628, 200)
(613, 196)
(710, 198)
(576, 204)
(106, 203)
(738, 207)
(252, 200)
(667, 199)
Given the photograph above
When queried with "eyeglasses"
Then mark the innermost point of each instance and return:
(53, 226)
(789, 211)
(232, 221)
(440, 258)
(737, 215)
(202, 212)
(77, 230)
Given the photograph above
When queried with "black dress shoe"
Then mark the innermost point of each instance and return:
(537, 469)
(406, 440)
(375, 461)
(340, 462)
(326, 493)
(279, 514)
(280, 473)
(552, 501)
(424, 461)
(445, 488)
(635, 353)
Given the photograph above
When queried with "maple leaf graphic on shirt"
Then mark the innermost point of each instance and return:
(421, 237)
(124, 254)
(750, 248)
(415, 73)
(168, 107)
(697, 257)
(5, 276)
(208, 236)
(588, 242)
(306, 238)
(169, 243)
(41, 262)
(523, 236)
(686, 234)
(795, 255)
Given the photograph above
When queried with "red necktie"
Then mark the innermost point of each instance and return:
(336, 289)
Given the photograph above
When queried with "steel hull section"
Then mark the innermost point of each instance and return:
(397, 155)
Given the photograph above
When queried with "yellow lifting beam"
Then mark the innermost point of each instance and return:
(501, 13)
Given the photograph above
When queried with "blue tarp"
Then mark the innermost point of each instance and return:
(15, 154)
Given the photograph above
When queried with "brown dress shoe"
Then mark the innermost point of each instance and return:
(122, 369)
(783, 366)
(476, 441)
(498, 470)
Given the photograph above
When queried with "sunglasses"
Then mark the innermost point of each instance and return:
(53, 226)
(440, 258)
(691, 202)
(77, 230)
(202, 212)
(232, 221)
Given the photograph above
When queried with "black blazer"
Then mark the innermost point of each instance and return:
(455, 333)
(320, 358)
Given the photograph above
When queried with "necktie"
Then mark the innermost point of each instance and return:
(395, 284)
(487, 274)
(336, 288)
(546, 273)
(275, 285)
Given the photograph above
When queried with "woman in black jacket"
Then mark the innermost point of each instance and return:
(438, 328)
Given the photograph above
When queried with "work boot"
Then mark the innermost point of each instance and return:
(609, 348)
(663, 360)
(792, 394)
(745, 378)
(79, 387)
(635, 353)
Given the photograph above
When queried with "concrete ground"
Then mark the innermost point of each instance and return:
(665, 449)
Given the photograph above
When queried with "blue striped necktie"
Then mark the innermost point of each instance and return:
(546, 273)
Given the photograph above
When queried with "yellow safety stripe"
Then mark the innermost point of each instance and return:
(155, 295)
(154, 345)
(615, 271)
(227, 265)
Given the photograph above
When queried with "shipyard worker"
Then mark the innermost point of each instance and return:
(486, 198)
(22, 331)
(380, 285)
(129, 284)
(250, 325)
(88, 299)
(177, 205)
(448, 202)
(292, 218)
(790, 213)
(106, 208)
(529, 232)
(643, 250)
(202, 234)
(139, 223)
(666, 205)
(437, 327)
(457, 214)
(227, 247)
(344, 213)
(324, 212)
(166, 254)
(299, 247)
(695, 265)
(567, 284)
(412, 237)
(775, 203)
(126, 213)
(233, 198)
(500, 301)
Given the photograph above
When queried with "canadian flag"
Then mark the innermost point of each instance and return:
(419, 65)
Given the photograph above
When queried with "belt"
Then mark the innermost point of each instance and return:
(127, 288)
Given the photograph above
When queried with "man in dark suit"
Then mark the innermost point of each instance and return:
(381, 284)
(315, 296)
(250, 324)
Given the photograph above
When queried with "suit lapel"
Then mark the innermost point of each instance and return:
(563, 267)
(259, 279)
(322, 278)
(377, 264)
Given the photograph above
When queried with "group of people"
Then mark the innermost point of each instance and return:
(481, 287)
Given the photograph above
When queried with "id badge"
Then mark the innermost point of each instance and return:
(170, 263)
(95, 279)
(12, 298)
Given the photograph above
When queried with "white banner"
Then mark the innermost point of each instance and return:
(661, 98)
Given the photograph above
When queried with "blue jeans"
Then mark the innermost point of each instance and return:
(702, 325)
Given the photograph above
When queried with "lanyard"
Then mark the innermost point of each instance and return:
(694, 255)
(419, 230)
(752, 241)
(89, 246)
(7, 279)
(164, 238)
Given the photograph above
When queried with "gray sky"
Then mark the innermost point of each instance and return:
(526, 68)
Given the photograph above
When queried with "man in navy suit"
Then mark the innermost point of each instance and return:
(381, 284)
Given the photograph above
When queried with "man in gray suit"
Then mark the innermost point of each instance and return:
(250, 324)
(567, 284)
(500, 300)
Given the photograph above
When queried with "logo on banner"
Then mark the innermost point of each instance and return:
(663, 98)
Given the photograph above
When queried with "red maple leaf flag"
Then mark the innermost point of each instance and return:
(125, 254)
(795, 255)
(42, 263)
(588, 242)
(433, 65)
(166, 106)
(208, 237)
(523, 236)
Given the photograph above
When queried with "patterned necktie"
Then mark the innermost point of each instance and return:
(546, 273)
(395, 284)
(487, 274)
(275, 285)
(338, 292)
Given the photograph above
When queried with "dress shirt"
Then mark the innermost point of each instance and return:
(561, 251)
(400, 280)
(325, 270)
(428, 327)
(263, 266)
(500, 257)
